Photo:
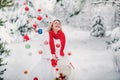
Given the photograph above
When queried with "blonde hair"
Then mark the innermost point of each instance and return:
(50, 27)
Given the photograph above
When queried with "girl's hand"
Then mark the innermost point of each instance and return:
(54, 56)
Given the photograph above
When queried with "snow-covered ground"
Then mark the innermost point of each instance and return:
(91, 59)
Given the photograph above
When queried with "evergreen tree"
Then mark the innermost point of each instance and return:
(4, 52)
(1, 22)
(114, 41)
(27, 19)
(67, 9)
(98, 30)
(5, 3)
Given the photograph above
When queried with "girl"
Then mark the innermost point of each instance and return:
(55, 32)
(63, 63)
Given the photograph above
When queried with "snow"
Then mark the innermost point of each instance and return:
(91, 59)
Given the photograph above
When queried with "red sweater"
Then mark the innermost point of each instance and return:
(60, 35)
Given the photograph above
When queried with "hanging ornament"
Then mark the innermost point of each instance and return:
(54, 62)
(46, 16)
(46, 42)
(40, 51)
(26, 8)
(25, 3)
(39, 18)
(40, 31)
(30, 53)
(57, 45)
(26, 37)
(39, 10)
(34, 26)
(35, 78)
(69, 54)
(25, 71)
(57, 69)
(27, 46)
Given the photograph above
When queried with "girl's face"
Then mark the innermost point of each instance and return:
(56, 26)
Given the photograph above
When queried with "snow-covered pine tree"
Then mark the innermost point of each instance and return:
(114, 42)
(1, 22)
(3, 50)
(67, 9)
(23, 16)
(5, 3)
(26, 19)
(114, 45)
(98, 29)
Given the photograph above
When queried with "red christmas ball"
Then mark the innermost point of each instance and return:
(35, 78)
(26, 37)
(40, 52)
(57, 69)
(57, 45)
(39, 18)
(34, 26)
(46, 42)
(69, 54)
(39, 10)
(24, 3)
(26, 8)
(46, 16)
(53, 62)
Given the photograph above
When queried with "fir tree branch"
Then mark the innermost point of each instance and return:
(5, 3)
(2, 72)
(1, 78)
(2, 22)
(3, 64)
(58, 1)
(82, 3)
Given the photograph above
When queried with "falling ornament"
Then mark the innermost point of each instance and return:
(34, 26)
(46, 42)
(24, 3)
(69, 53)
(40, 31)
(47, 21)
(26, 37)
(39, 18)
(57, 45)
(39, 10)
(26, 8)
(57, 69)
(54, 62)
(35, 78)
(40, 51)
(30, 53)
(27, 46)
(25, 71)
(46, 16)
